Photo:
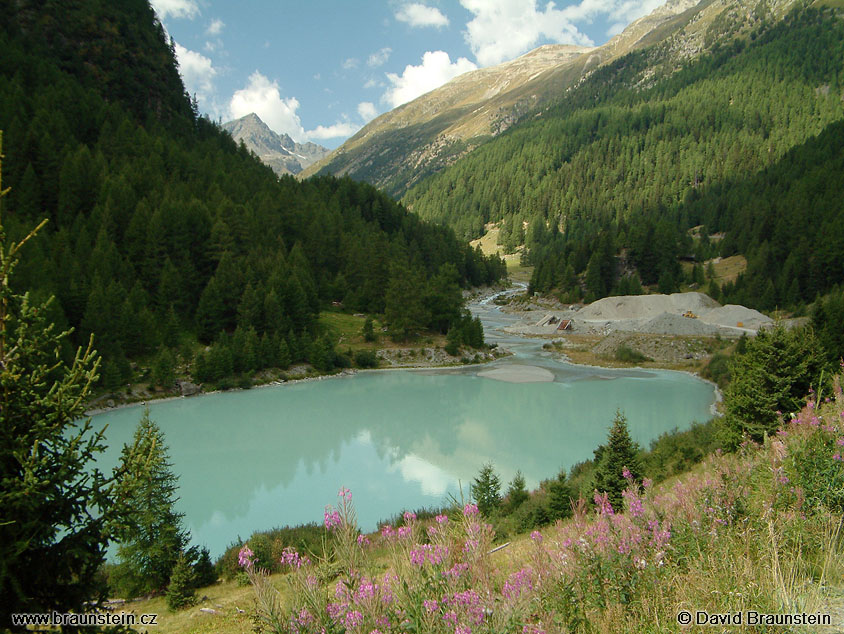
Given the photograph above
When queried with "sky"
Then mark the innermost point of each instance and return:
(318, 70)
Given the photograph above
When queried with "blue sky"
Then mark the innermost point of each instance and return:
(318, 70)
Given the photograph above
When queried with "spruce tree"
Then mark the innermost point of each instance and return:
(560, 495)
(56, 512)
(153, 540)
(517, 492)
(619, 454)
(486, 490)
(181, 591)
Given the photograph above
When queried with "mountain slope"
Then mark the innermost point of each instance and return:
(613, 176)
(162, 231)
(403, 146)
(279, 151)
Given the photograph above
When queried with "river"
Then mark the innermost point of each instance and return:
(401, 439)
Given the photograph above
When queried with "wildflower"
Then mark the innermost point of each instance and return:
(431, 530)
(625, 473)
(462, 629)
(345, 493)
(517, 583)
(290, 557)
(431, 605)
(409, 516)
(536, 536)
(363, 541)
(441, 519)
(404, 532)
(470, 510)
(332, 518)
(387, 531)
(244, 557)
(837, 457)
(840, 441)
(353, 619)
(603, 503)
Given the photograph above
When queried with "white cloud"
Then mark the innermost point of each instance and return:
(371, 83)
(263, 97)
(350, 63)
(503, 29)
(367, 110)
(419, 15)
(197, 72)
(379, 58)
(176, 8)
(339, 129)
(215, 28)
(435, 70)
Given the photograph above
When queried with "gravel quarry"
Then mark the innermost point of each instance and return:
(680, 314)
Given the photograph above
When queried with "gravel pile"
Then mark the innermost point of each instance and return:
(732, 315)
(646, 306)
(673, 324)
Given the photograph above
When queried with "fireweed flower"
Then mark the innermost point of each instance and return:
(244, 557)
(470, 510)
(441, 519)
(332, 518)
(409, 516)
(536, 536)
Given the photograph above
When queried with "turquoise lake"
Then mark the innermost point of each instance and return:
(275, 456)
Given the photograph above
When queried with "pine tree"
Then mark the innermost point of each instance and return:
(152, 542)
(517, 493)
(771, 373)
(57, 512)
(620, 454)
(486, 490)
(560, 495)
(181, 591)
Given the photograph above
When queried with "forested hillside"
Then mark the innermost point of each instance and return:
(638, 154)
(161, 229)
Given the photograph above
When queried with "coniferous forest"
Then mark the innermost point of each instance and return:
(162, 231)
(745, 140)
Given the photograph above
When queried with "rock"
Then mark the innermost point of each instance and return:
(186, 388)
(110, 403)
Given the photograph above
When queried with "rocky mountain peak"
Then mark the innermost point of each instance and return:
(279, 151)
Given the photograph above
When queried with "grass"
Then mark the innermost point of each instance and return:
(728, 269)
(346, 328)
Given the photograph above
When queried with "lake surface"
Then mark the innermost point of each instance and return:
(257, 459)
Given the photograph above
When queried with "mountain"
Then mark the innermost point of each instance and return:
(164, 232)
(733, 123)
(278, 151)
(403, 146)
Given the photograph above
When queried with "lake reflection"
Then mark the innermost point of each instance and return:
(274, 456)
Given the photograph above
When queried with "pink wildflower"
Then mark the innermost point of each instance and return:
(536, 536)
(344, 493)
(431, 605)
(387, 531)
(244, 557)
(405, 532)
(441, 519)
(332, 517)
(470, 509)
(409, 516)
(353, 619)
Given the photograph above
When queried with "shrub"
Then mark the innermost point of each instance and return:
(627, 354)
(366, 359)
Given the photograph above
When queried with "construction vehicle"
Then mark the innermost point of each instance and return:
(690, 315)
